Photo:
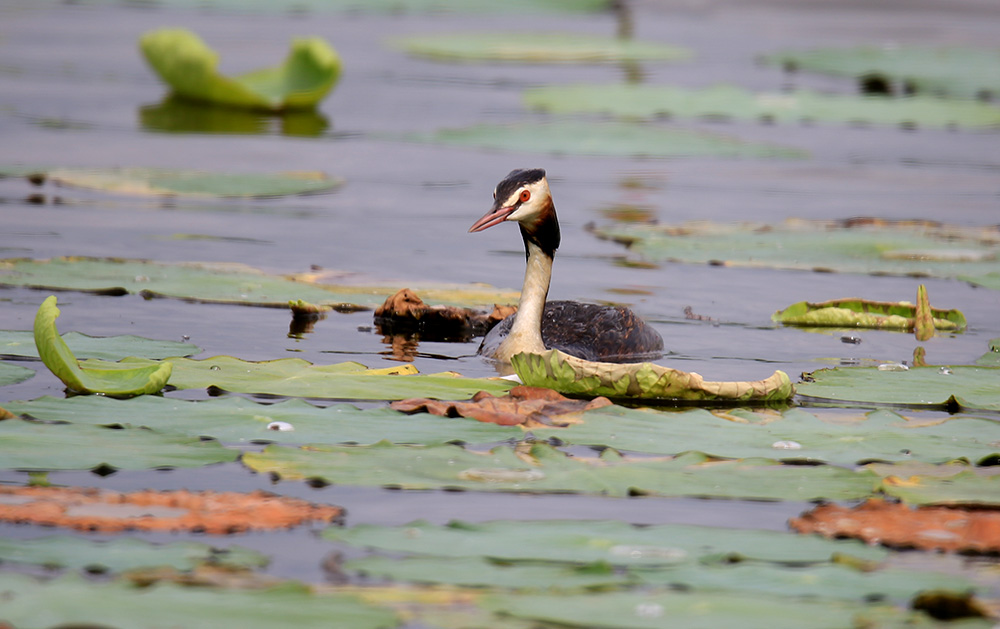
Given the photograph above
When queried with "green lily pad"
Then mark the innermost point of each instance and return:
(178, 183)
(963, 387)
(642, 610)
(723, 101)
(964, 488)
(958, 72)
(32, 446)
(22, 344)
(537, 48)
(239, 420)
(71, 600)
(222, 283)
(864, 313)
(137, 377)
(545, 469)
(12, 374)
(617, 139)
(572, 376)
(910, 248)
(610, 542)
(122, 553)
(295, 377)
(188, 66)
(992, 357)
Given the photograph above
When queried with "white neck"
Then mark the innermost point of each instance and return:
(526, 332)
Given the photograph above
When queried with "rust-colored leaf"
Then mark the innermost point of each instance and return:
(899, 526)
(206, 512)
(522, 406)
(406, 309)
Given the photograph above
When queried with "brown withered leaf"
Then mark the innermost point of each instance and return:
(218, 513)
(405, 311)
(897, 525)
(521, 406)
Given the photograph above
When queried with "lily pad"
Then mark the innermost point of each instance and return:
(220, 283)
(537, 48)
(617, 139)
(957, 72)
(610, 542)
(299, 378)
(235, 419)
(72, 600)
(963, 489)
(33, 446)
(12, 374)
(178, 183)
(957, 387)
(188, 66)
(123, 553)
(540, 468)
(724, 101)
(864, 313)
(138, 377)
(22, 344)
(570, 375)
(873, 246)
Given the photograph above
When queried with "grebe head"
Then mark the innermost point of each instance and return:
(523, 196)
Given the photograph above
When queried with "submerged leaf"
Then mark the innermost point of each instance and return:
(537, 48)
(899, 526)
(137, 377)
(205, 512)
(604, 138)
(859, 245)
(650, 101)
(961, 72)
(570, 375)
(188, 66)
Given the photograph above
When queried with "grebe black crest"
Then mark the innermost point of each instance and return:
(588, 331)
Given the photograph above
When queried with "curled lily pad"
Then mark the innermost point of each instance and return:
(863, 313)
(724, 101)
(115, 379)
(538, 48)
(567, 374)
(604, 138)
(188, 66)
(182, 183)
(959, 72)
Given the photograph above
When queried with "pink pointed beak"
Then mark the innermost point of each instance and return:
(494, 217)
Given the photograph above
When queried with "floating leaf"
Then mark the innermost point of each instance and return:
(992, 357)
(724, 101)
(521, 406)
(72, 600)
(963, 489)
(962, 72)
(122, 553)
(570, 375)
(223, 283)
(865, 245)
(22, 344)
(300, 378)
(537, 48)
(603, 138)
(204, 512)
(12, 374)
(188, 66)
(864, 313)
(137, 377)
(610, 542)
(235, 419)
(178, 183)
(544, 469)
(953, 387)
(900, 526)
(33, 446)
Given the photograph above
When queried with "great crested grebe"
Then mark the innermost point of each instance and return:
(588, 331)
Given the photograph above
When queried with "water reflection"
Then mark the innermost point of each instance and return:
(176, 115)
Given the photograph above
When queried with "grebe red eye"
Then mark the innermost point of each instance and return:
(525, 195)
